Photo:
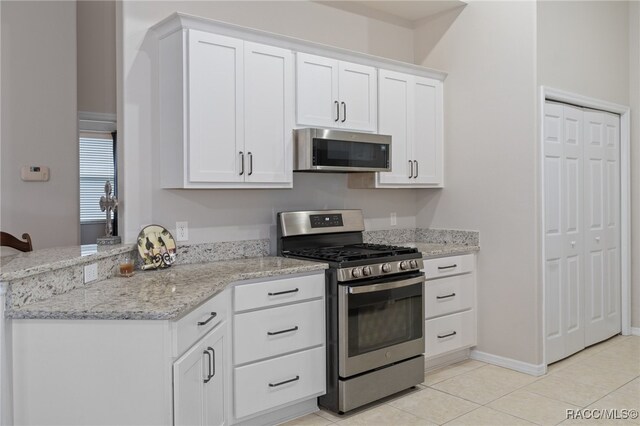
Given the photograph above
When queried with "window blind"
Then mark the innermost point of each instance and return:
(96, 167)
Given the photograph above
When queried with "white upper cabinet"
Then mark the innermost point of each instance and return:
(215, 120)
(335, 94)
(268, 113)
(226, 109)
(410, 110)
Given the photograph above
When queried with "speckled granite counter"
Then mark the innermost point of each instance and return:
(158, 295)
(24, 265)
(443, 249)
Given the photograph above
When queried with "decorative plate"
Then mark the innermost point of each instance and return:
(157, 247)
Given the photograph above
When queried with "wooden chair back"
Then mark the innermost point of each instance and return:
(9, 240)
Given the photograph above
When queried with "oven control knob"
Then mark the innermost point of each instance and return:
(413, 263)
(367, 270)
(356, 272)
(404, 265)
(386, 267)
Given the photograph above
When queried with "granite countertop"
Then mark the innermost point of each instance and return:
(23, 265)
(167, 294)
(442, 249)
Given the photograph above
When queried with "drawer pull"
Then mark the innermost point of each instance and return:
(278, 293)
(274, 333)
(212, 316)
(273, 385)
(447, 335)
(440, 268)
(446, 297)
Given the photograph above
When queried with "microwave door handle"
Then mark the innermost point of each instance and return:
(385, 286)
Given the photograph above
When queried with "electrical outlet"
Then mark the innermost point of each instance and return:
(394, 219)
(90, 273)
(182, 231)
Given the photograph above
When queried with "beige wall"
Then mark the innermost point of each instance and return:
(238, 214)
(591, 48)
(490, 154)
(38, 122)
(96, 27)
(634, 103)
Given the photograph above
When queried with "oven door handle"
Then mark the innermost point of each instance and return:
(385, 286)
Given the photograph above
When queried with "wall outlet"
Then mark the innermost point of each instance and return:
(182, 231)
(90, 273)
(394, 219)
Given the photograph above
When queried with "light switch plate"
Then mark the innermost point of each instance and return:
(90, 273)
(34, 173)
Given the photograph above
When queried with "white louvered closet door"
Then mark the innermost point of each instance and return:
(564, 242)
(582, 228)
(602, 237)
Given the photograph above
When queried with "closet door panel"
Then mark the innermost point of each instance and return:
(602, 196)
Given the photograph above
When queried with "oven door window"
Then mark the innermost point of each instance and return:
(327, 152)
(384, 318)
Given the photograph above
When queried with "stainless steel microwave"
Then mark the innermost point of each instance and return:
(325, 150)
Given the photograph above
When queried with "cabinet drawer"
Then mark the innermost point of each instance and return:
(269, 332)
(455, 331)
(448, 295)
(201, 320)
(278, 381)
(277, 292)
(450, 265)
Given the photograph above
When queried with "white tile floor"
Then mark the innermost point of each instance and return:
(603, 376)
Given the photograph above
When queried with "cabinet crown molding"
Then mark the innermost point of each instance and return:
(180, 21)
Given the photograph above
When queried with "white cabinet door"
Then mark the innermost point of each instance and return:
(198, 382)
(602, 214)
(317, 91)
(357, 91)
(268, 113)
(427, 133)
(215, 107)
(395, 115)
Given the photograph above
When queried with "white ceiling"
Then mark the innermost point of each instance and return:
(399, 12)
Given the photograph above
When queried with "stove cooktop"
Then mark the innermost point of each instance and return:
(348, 253)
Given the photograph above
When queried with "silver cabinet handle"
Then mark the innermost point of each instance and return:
(446, 297)
(288, 330)
(241, 162)
(278, 293)
(411, 165)
(416, 161)
(447, 335)
(211, 316)
(250, 163)
(344, 111)
(273, 385)
(337, 111)
(213, 360)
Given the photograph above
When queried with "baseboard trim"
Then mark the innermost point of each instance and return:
(500, 361)
(434, 363)
(635, 331)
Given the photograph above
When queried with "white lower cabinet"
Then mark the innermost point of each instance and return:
(450, 305)
(199, 382)
(161, 372)
(279, 351)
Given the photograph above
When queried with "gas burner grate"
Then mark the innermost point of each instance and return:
(351, 252)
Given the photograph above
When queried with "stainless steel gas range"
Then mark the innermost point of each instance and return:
(374, 303)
